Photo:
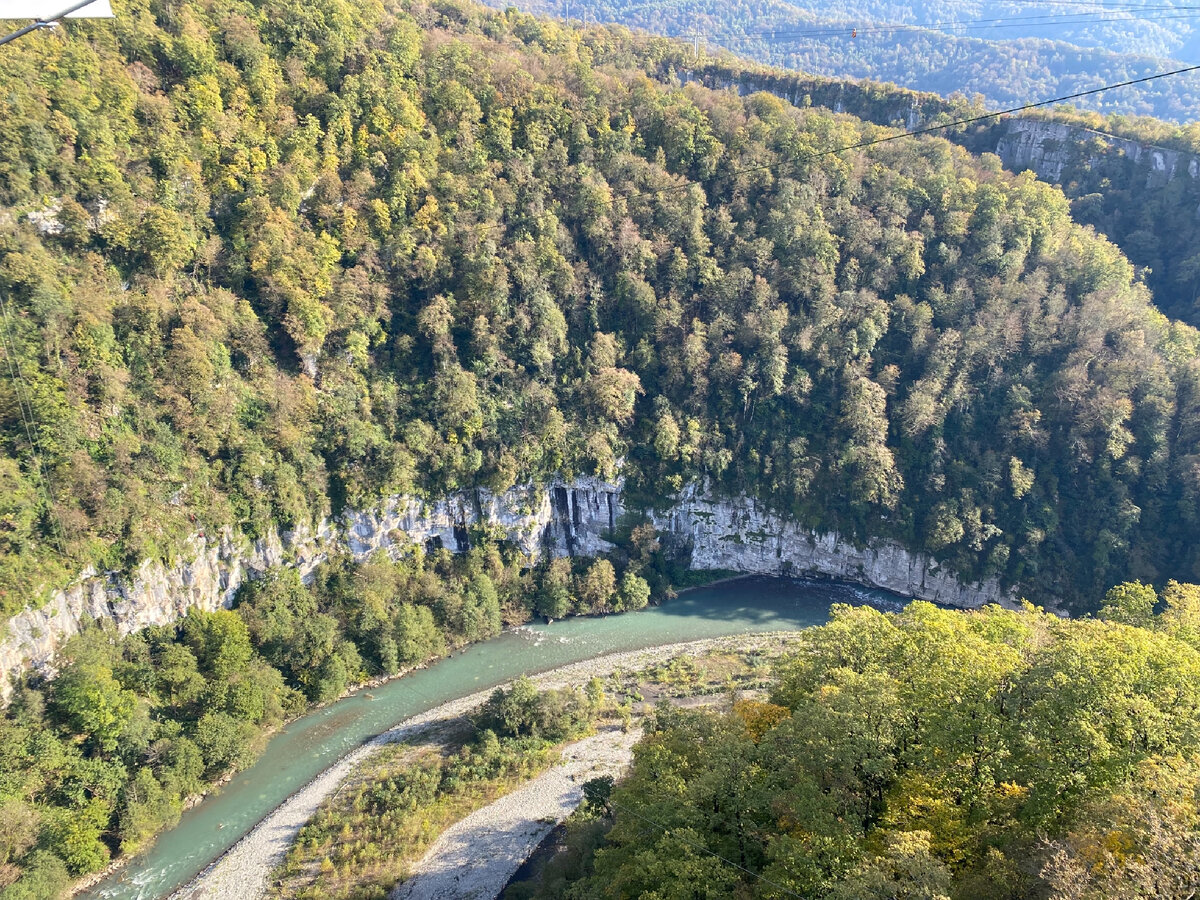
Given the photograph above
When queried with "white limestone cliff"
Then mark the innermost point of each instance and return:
(1047, 147)
(744, 535)
(563, 518)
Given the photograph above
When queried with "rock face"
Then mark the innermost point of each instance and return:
(1045, 147)
(897, 107)
(153, 594)
(563, 518)
(1048, 147)
(742, 534)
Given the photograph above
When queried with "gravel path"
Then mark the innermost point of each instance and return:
(474, 858)
(241, 874)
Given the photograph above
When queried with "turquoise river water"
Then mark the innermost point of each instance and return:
(312, 743)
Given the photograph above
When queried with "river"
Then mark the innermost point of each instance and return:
(312, 743)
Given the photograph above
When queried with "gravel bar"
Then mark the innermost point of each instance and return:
(242, 872)
(475, 858)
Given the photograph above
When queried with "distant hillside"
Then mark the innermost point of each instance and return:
(1160, 29)
(1007, 53)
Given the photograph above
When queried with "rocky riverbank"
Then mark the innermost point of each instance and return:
(476, 857)
(241, 874)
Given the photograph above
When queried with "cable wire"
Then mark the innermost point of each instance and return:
(48, 22)
(920, 131)
(842, 29)
(1095, 5)
(810, 157)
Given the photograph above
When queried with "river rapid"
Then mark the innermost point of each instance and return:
(312, 743)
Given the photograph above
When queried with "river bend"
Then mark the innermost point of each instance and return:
(312, 743)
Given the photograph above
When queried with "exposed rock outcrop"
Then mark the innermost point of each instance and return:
(1047, 147)
(742, 534)
(563, 518)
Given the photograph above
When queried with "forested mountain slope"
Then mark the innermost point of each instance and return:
(1150, 213)
(260, 261)
(925, 754)
(1162, 29)
(1006, 52)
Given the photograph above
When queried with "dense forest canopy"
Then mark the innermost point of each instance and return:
(1147, 211)
(260, 262)
(926, 754)
(1009, 53)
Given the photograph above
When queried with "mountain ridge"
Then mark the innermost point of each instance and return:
(262, 300)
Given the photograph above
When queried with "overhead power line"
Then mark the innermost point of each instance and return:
(1103, 4)
(1091, 5)
(862, 145)
(930, 129)
(787, 27)
(48, 22)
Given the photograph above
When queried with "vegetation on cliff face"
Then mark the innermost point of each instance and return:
(263, 260)
(99, 760)
(992, 755)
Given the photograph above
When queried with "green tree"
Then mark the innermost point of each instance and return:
(907, 870)
(515, 712)
(597, 588)
(417, 635)
(1181, 615)
(19, 823)
(94, 704)
(1131, 603)
(147, 806)
(222, 740)
(75, 837)
(633, 593)
(220, 640)
(554, 597)
(45, 877)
